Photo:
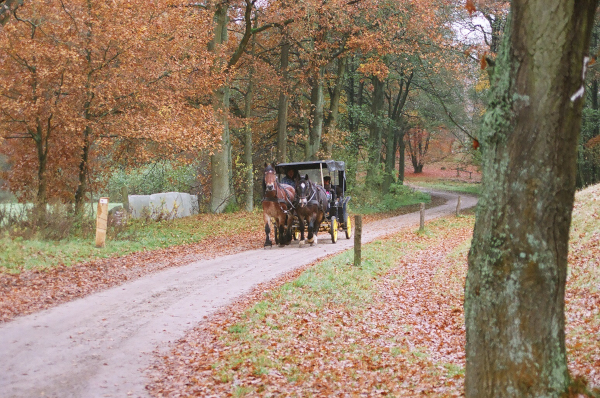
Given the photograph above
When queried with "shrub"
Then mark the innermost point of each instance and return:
(154, 178)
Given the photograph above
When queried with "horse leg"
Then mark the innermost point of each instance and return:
(301, 226)
(311, 228)
(267, 231)
(317, 225)
(279, 230)
(288, 225)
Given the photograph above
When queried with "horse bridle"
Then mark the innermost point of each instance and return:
(276, 199)
(314, 192)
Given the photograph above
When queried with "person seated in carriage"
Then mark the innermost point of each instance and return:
(289, 178)
(333, 192)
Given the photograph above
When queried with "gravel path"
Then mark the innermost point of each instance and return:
(98, 346)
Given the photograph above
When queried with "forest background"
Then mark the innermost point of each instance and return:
(195, 97)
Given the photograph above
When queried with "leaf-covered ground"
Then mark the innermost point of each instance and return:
(34, 290)
(583, 287)
(394, 327)
(336, 330)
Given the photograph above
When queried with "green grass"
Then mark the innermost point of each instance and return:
(18, 254)
(453, 186)
(368, 201)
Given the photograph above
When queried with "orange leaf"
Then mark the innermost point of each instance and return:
(470, 6)
(483, 61)
(592, 60)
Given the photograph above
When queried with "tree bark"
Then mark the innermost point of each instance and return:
(334, 107)
(514, 294)
(390, 158)
(282, 109)
(316, 116)
(401, 158)
(41, 143)
(248, 144)
(395, 114)
(220, 161)
(83, 172)
(375, 130)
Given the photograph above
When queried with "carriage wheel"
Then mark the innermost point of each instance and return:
(348, 229)
(296, 234)
(334, 229)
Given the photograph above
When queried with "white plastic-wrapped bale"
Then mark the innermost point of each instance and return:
(195, 204)
(164, 205)
(137, 204)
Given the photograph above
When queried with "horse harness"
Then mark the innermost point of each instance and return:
(311, 201)
(276, 199)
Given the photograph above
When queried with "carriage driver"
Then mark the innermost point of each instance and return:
(288, 179)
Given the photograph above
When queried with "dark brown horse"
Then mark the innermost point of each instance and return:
(277, 205)
(311, 207)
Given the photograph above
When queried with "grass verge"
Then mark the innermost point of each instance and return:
(17, 253)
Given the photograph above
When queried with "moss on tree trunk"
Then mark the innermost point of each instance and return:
(514, 295)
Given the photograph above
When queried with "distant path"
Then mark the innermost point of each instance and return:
(100, 345)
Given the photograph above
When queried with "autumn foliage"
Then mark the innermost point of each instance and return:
(83, 82)
(87, 87)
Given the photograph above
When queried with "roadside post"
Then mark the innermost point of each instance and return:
(101, 222)
(458, 207)
(357, 240)
(422, 223)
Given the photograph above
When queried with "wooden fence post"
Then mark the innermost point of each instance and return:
(125, 198)
(422, 223)
(101, 222)
(458, 206)
(357, 240)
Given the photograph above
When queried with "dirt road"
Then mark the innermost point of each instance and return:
(100, 345)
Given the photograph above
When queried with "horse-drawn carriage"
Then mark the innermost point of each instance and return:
(319, 205)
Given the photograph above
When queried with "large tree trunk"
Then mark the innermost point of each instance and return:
(514, 294)
(334, 107)
(390, 158)
(41, 144)
(83, 171)
(395, 115)
(401, 158)
(248, 144)
(316, 117)
(220, 161)
(282, 110)
(375, 130)
(594, 105)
